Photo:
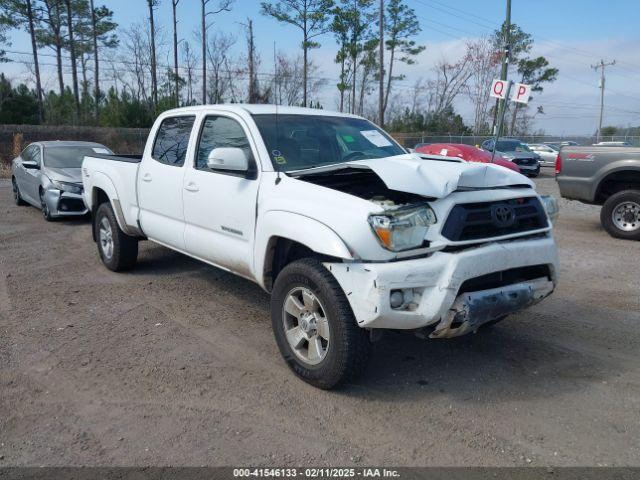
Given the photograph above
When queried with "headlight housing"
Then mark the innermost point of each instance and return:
(404, 228)
(551, 206)
(67, 187)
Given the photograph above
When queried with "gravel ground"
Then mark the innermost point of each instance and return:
(175, 364)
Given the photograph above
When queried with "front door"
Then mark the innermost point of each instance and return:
(30, 184)
(160, 182)
(220, 207)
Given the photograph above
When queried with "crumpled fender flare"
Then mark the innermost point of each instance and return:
(305, 230)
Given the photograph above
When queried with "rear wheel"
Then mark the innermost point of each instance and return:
(17, 198)
(620, 215)
(117, 250)
(314, 326)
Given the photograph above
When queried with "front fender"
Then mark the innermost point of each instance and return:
(305, 230)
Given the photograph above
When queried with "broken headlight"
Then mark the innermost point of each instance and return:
(67, 187)
(404, 228)
(551, 206)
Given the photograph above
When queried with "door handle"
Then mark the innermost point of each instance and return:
(146, 177)
(191, 187)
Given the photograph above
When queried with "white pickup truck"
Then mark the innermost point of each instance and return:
(346, 230)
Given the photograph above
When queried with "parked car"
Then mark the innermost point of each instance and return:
(47, 176)
(559, 145)
(517, 152)
(468, 153)
(607, 176)
(612, 144)
(347, 231)
(547, 153)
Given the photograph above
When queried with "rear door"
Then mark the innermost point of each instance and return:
(220, 207)
(160, 182)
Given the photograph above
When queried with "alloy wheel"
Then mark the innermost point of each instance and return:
(105, 235)
(306, 326)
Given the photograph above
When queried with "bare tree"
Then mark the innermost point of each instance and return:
(190, 61)
(72, 53)
(222, 6)
(51, 35)
(154, 74)
(96, 68)
(484, 61)
(220, 45)
(451, 80)
(174, 4)
(287, 82)
(22, 13)
(311, 17)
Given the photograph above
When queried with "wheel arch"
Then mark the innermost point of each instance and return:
(284, 237)
(616, 180)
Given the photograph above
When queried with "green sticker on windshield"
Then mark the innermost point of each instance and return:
(347, 138)
(280, 160)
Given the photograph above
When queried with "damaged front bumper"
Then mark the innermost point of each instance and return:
(447, 291)
(65, 204)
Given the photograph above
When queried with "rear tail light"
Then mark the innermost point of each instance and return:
(558, 164)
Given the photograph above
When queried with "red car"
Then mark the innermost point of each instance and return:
(468, 153)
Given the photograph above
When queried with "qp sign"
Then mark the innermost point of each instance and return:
(521, 93)
(499, 89)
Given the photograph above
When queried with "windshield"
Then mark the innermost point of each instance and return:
(306, 141)
(512, 146)
(71, 157)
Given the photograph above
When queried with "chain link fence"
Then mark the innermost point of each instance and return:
(13, 138)
(410, 140)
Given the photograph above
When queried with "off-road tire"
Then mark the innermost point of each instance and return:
(17, 197)
(125, 247)
(349, 346)
(607, 212)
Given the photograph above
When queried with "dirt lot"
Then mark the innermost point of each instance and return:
(175, 364)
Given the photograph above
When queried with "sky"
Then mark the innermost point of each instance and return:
(571, 34)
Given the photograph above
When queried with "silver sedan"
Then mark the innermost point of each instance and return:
(47, 175)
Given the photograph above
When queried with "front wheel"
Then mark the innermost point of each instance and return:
(314, 326)
(117, 250)
(44, 207)
(620, 215)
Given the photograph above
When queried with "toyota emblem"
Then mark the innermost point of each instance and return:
(503, 216)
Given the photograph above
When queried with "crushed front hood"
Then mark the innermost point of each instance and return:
(72, 175)
(437, 179)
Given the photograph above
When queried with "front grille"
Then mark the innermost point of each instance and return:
(474, 221)
(504, 278)
(71, 205)
(524, 161)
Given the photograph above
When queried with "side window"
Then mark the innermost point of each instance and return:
(172, 140)
(220, 132)
(27, 153)
(36, 155)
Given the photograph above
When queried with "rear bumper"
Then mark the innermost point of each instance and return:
(65, 204)
(432, 286)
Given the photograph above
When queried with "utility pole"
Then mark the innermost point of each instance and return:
(602, 65)
(506, 38)
(381, 73)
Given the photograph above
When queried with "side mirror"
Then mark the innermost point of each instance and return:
(30, 165)
(229, 159)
